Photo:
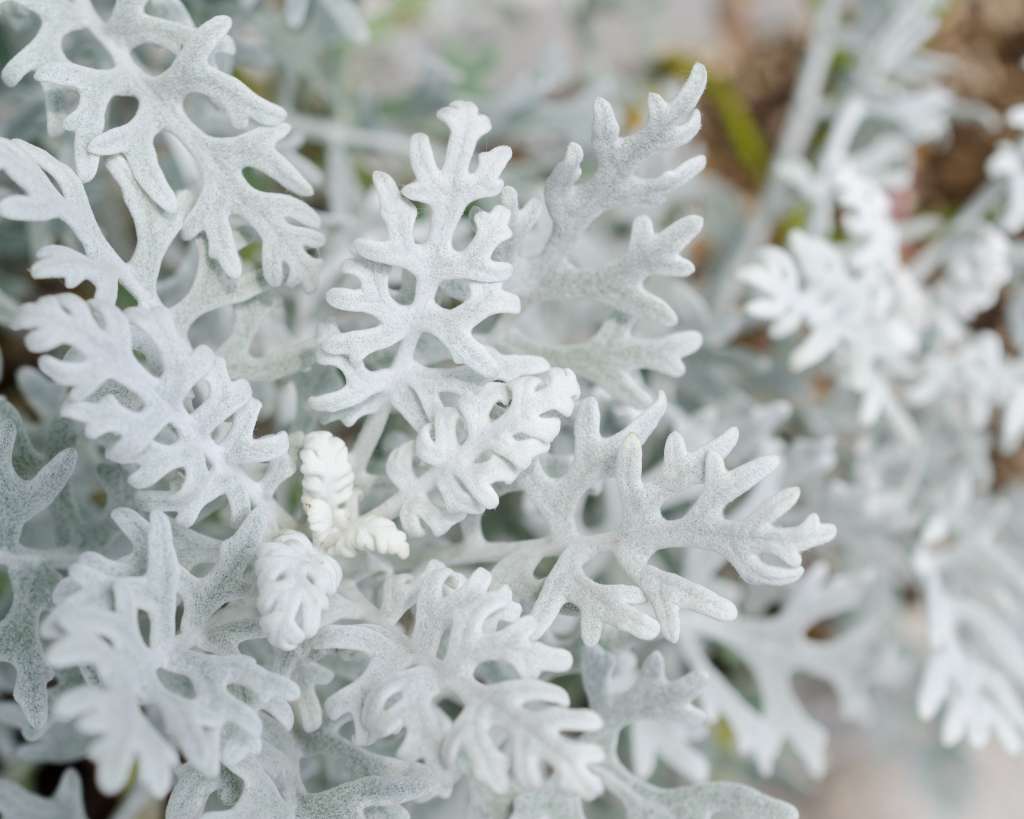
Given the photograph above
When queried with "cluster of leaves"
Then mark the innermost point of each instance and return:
(896, 309)
(445, 525)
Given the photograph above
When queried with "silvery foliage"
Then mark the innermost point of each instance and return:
(473, 534)
(913, 322)
(974, 675)
(285, 225)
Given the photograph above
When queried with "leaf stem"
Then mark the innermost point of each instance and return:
(367, 439)
(798, 129)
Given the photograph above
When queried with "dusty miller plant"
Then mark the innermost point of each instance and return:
(402, 504)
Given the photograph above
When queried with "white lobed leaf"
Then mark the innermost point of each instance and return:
(637, 528)
(175, 415)
(286, 226)
(372, 533)
(455, 289)
(973, 680)
(614, 356)
(514, 732)
(31, 572)
(157, 687)
(652, 695)
(66, 802)
(294, 582)
(490, 437)
(775, 648)
(327, 480)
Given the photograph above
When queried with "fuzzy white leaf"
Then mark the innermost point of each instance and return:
(157, 686)
(469, 278)
(175, 413)
(509, 733)
(451, 469)
(287, 226)
(294, 582)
